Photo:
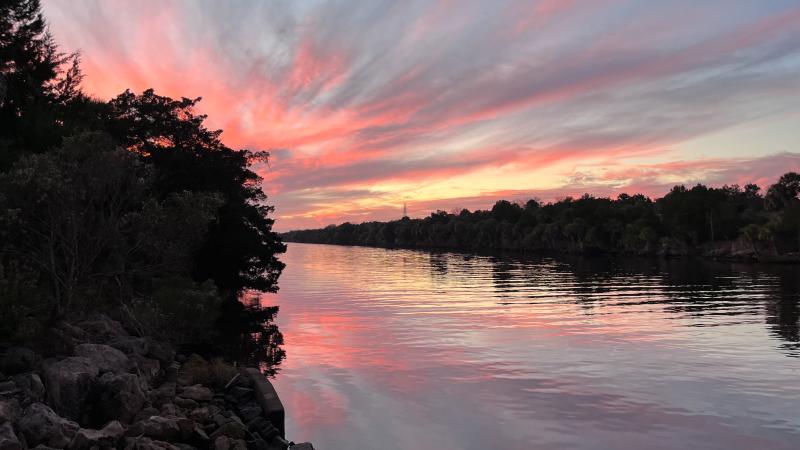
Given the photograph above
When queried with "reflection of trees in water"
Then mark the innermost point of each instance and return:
(691, 287)
(782, 308)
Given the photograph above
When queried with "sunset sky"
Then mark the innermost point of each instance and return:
(447, 104)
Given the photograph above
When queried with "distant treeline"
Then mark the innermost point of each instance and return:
(701, 220)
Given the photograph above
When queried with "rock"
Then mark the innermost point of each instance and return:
(161, 351)
(101, 328)
(146, 413)
(17, 360)
(302, 446)
(186, 403)
(198, 434)
(31, 386)
(222, 443)
(198, 393)
(70, 383)
(41, 425)
(64, 337)
(186, 426)
(8, 388)
(131, 345)
(106, 358)
(165, 391)
(156, 427)
(169, 409)
(10, 410)
(232, 429)
(143, 443)
(239, 444)
(8, 439)
(200, 414)
(146, 367)
(108, 437)
(119, 396)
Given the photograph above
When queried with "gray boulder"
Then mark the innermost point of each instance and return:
(8, 388)
(156, 427)
(108, 437)
(106, 358)
(101, 328)
(131, 345)
(119, 396)
(41, 425)
(8, 439)
(143, 443)
(30, 385)
(198, 393)
(10, 410)
(17, 360)
(70, 383)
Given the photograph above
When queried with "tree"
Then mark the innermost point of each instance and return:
(37, 81)
(784, 192)
(240, 249)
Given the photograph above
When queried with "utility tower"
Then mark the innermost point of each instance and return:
(405, 211)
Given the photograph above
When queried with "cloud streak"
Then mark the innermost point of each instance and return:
(371, 104)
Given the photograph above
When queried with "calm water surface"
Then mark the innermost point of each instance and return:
(399, 349)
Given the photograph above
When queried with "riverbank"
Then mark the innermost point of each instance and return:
(734, 251)
(98, 386)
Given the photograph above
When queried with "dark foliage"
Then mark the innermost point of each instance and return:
(131, 206)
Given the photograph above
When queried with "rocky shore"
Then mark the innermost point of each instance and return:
(99, 387)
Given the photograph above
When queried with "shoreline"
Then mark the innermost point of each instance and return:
(745, 259)
(99, 386)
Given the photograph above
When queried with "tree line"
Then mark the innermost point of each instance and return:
(130, 205)
(700, 220)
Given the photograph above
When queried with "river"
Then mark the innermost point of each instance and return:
(403, 349)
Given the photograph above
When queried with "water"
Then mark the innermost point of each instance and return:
(400, 349)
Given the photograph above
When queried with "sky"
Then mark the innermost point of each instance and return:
(442, 104)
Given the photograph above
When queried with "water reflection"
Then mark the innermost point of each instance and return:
(398, 349)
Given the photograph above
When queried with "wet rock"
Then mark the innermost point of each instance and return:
(119, 396)
(70, 383)
(108, 437)
(10, 411)
(17, 360)
(30, 386)
(8, 439)
(156, 427)
(41, 425)
(143, 443)
(198, 393)
(106, 358)
(102, 328)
